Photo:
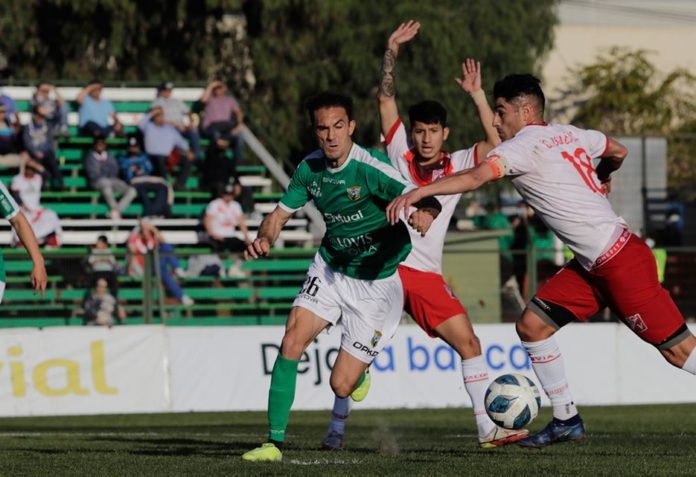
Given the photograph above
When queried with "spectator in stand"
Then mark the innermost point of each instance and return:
(223, 217)
(26, 190)
(10, 115)
(10, 154)
(174, 113)
(103, 265)
(222, 117)
(161, 140)
(96, 111)
(102, 173)
(48, 101)
(101, 307)
(41, 146)
(144, 239)
(136, 170)
(218, 169)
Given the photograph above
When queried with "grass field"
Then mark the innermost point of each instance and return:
(636, 440)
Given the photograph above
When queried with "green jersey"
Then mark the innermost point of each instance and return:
(8, 209)
(359, 242)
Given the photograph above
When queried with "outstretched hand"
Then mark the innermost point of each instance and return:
(470, 81)
(403, 34)
(39, 279)
(402, 203)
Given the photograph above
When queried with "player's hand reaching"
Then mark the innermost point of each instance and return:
(421, 221)
(260, 247)
(606, 185)
(403, 34)
(39, 279)
(402, 203)
(470, 81)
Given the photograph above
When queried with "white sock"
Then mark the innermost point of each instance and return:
(547, 362)
(339, 414)
(475, 374)
(690, 363)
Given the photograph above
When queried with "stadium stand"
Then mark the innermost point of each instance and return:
(262, 296)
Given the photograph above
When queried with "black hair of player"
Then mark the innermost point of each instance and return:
(517, 85)
(329, 99)
(428, 112)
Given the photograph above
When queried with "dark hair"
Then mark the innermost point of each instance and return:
(102, 238)
(428, 112)
(95, 81)
(517, 85)
(328, 99)
(36, 109)
(41, 83)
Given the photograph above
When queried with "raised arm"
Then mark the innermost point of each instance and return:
(470, 82)
(388, 111)
(83, 93)
(28, 239)
(208, 91)
(268, 233)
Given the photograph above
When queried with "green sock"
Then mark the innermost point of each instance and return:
(281, 396)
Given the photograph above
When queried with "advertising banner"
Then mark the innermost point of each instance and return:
(230, 368)
(89, 370)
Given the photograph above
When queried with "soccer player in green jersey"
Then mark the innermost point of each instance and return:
(10, 210)
(353, 277)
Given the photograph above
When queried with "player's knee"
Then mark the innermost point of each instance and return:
(292, 346)
(341, 387)
(469, 347)
(531, 328)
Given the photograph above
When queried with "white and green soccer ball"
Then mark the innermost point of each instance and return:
(512, 401)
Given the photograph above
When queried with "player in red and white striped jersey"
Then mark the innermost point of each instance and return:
(419, 156)
(551, 166)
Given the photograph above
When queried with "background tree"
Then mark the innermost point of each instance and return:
(310, 45)
(295, 47)
(624, 94)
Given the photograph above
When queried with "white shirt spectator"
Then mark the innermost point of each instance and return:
(225, 217)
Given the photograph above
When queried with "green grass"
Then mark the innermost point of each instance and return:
(631, 440)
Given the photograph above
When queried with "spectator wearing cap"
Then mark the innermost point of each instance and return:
(52, 106)
(10, 154)
(223, 217)
(40, 144)
(161, 140)
(136, 170)
(102, 173)
(26, 190)
(96, 111)
(174, 113)
(222, 117)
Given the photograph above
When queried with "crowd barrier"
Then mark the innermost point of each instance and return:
(146, 369)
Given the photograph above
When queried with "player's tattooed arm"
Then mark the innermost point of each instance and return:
(388, 110)
(386, 85)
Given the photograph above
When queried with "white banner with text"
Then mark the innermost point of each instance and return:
(140, 369)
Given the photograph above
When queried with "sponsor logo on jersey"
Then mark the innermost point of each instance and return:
(314, 189)
(355, 245)
(636, 323)
(365, 349)
(375, 339)
(331, 180)
(344, 219)
(354, 192)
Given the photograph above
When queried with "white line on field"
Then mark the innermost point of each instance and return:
(122, 434)
(324, 462)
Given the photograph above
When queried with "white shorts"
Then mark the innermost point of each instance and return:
(369, 310)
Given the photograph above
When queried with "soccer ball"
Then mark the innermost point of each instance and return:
(512, 401)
